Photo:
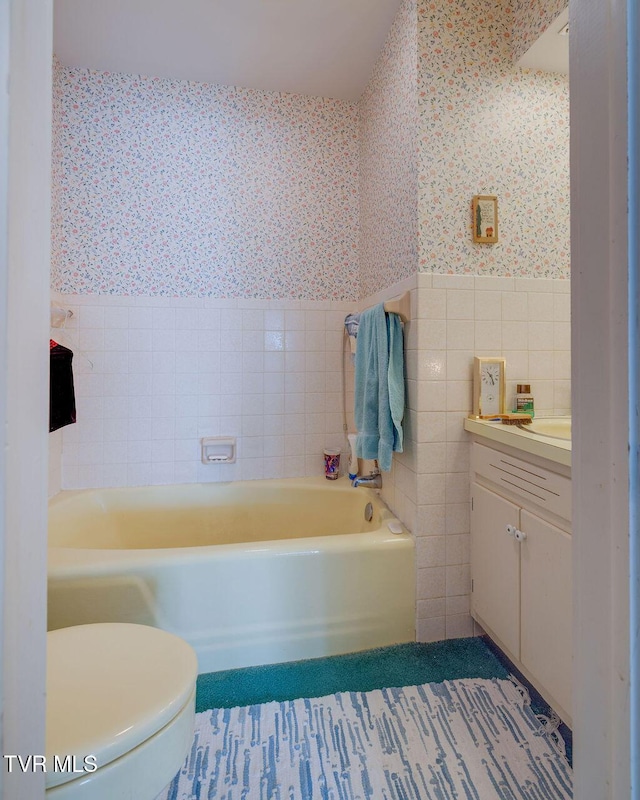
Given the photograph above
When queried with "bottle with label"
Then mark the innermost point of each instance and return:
(524, 399)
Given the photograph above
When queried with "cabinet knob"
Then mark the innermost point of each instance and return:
(518, 535)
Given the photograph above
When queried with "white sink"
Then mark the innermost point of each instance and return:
(558, 427)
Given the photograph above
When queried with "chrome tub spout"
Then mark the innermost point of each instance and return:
(372, 481)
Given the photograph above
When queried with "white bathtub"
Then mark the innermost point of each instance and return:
(248, 573)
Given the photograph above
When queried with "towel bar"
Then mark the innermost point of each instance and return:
(400, 306)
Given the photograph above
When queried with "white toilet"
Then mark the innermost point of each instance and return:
(120, 697)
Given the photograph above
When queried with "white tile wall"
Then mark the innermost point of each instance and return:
(154, 375)
(55, 462)
(528, 322)
(166, 372)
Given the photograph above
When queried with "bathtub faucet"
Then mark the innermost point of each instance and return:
(372, 481)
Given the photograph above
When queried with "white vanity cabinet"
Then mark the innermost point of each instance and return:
(521, 565)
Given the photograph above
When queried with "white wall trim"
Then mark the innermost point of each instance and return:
(24, 379)
(4, 261)
(633, 74)
(600, 399)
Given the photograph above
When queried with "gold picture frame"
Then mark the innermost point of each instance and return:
(484, 208)
(489, 399)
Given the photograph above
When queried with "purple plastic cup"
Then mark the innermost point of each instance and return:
(331, 463)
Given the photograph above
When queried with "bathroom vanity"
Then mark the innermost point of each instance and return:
(521, 549)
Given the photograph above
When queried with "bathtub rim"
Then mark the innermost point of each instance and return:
(319, 484)
(67, 561)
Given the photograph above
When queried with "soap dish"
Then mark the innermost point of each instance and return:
(218, 449)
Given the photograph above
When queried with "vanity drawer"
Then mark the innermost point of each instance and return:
(534, 485)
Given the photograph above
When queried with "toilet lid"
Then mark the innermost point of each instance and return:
(111, 686)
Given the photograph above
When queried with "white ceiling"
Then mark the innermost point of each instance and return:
(550, 52)
(315, 47)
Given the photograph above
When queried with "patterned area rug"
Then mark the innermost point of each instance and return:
(471, 738)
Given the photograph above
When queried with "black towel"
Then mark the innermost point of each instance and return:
(62, 401)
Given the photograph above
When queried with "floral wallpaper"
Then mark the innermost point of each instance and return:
(529, 19)
(175, 188)
(487, 127)
(388, 160)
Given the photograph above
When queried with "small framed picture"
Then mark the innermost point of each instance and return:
(485, 218)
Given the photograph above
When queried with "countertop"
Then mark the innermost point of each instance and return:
(557, 450)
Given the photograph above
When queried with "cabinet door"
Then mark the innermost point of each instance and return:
(545, 635)
(495, 566)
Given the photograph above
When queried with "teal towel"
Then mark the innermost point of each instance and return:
(396, 379)
(379, 386)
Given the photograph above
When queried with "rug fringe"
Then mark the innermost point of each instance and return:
(550, 723)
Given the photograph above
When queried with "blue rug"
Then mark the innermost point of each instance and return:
(398, 665)
(471, 738)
